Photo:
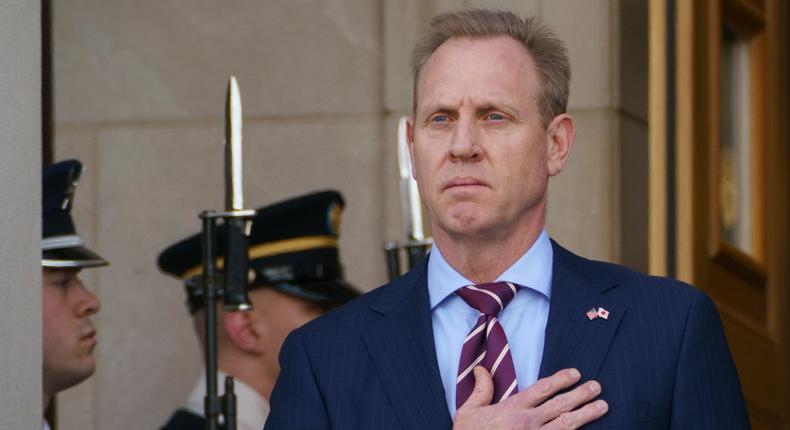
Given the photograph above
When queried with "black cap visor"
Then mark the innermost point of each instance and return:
(336, 292)
(328, 291)
(74, 257)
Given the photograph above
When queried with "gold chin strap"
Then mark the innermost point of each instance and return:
(274, 248)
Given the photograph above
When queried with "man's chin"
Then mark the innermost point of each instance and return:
(464, 213)
(75, 374)
(463, 228)
(86, 365)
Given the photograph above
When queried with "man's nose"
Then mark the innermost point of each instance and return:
(465, 144)
(88, 303)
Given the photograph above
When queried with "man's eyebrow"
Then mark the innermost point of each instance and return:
(441, 106)
(486, 108)
(422, 114)
(497, 105)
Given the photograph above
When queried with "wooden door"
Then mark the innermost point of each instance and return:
(720, 188)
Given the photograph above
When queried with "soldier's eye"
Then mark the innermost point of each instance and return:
(440, 118)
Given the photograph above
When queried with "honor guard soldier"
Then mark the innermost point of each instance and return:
(295, 275)
(68, 336)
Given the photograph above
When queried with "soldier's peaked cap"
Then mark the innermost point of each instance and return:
(61, 246)
(293, 247)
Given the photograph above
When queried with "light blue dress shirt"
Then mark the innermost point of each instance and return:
(524, 319)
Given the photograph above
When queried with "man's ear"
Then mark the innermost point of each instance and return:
(559, 138)
(243, 331)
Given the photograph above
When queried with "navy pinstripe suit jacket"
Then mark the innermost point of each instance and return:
(661, 357)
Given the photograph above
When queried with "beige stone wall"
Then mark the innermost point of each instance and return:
(139, 93)
(20, 215)
(597, 206)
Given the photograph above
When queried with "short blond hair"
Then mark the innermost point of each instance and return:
(546, 50)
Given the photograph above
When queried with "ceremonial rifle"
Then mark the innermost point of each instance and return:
(237, 223)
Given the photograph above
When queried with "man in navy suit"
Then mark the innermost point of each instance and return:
(501, 327)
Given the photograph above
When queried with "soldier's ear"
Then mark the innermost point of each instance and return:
(243, 331)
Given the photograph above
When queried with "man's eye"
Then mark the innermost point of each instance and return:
(439, 118)
(496, 117)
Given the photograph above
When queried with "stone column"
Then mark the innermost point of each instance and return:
(20, 215)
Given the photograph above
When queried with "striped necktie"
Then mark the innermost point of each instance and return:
(486, 345)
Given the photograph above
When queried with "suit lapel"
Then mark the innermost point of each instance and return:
(400, 343)
(572, 339)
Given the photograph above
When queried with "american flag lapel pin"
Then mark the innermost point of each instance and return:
(592, 314)
(603, 313)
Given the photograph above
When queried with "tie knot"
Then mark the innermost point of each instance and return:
(488, 299)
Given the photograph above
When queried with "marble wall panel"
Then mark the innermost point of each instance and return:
(404, 22)
(586, 27)
(519, 7)
(582, 211)
(523, 8)
(147, 60)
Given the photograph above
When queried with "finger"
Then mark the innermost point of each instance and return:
(575, 419)
(566, 402)
(542, 389)
(483, 391)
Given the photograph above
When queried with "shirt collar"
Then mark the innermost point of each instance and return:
(532, 270)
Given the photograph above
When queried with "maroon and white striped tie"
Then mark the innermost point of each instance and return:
(486, 345)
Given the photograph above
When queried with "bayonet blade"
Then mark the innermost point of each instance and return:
(410, 195)
(234, 199)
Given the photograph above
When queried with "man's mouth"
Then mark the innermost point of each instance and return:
(89, 336)
(465, 182)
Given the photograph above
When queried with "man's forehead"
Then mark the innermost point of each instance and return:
(499, 47)
(490, 70)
